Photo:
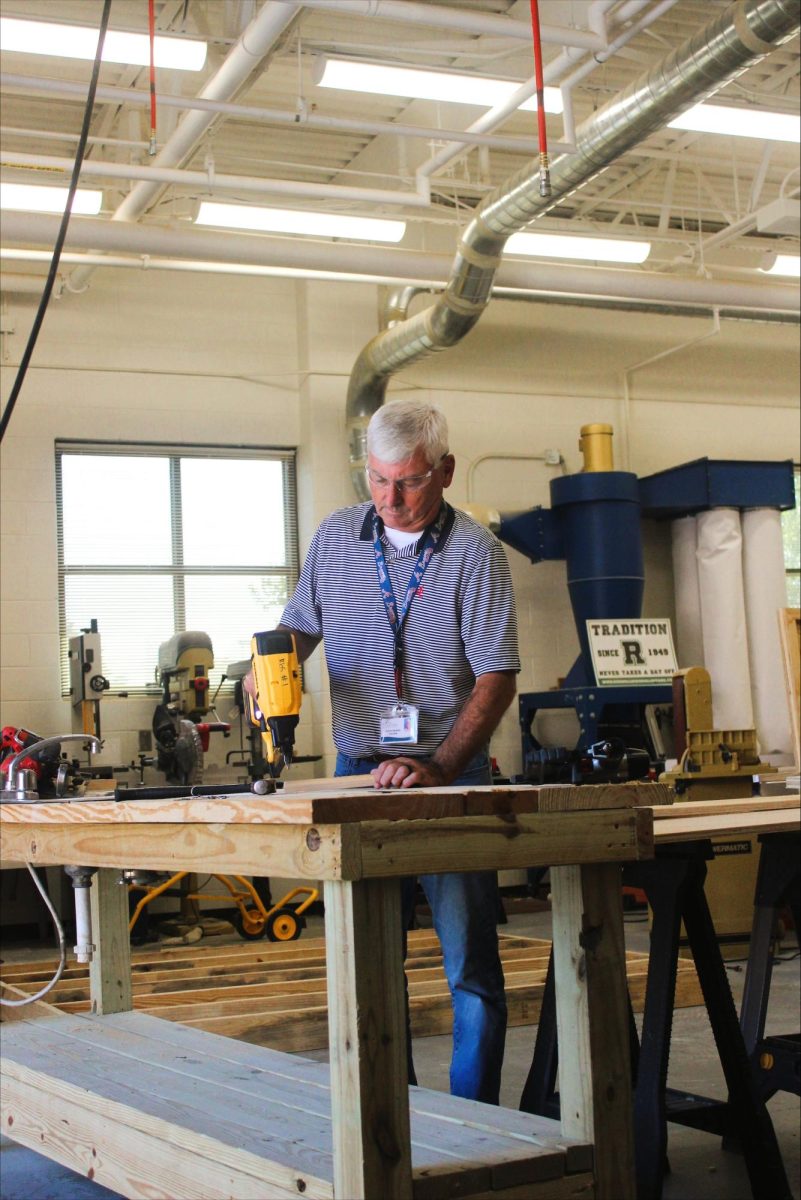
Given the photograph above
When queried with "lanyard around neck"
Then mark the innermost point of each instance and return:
(395, 617)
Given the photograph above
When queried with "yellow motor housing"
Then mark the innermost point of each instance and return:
(276, 674)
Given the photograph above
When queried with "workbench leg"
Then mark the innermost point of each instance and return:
(110, 968)
(367, 1037)
(592, 1020)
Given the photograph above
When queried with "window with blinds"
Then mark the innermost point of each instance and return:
(155, 540)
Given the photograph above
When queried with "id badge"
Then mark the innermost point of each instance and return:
(398, 725)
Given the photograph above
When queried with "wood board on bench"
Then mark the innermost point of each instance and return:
(274, 995)
(182, 1112)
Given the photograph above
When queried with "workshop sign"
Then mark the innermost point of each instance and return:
(632, 651)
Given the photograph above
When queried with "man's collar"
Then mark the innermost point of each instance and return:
(366, 533)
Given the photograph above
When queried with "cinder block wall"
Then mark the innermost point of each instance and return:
(225, 359)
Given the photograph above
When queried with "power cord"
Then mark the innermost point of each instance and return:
(61, 946)
(62, 232)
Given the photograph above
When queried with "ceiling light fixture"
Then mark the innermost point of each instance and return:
(596, 249)
(34, 197)
(353, 76)
(312, 224)
(80, 41)
(785, 264)
(739, 122)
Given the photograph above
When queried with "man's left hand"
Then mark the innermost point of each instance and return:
(408, 772)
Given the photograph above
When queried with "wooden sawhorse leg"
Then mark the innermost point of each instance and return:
(674, 884)
(775, 1059)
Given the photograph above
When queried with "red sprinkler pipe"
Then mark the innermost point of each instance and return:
(545, 169)
(151, 13)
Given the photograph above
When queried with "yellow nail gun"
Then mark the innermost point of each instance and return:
(276, 706)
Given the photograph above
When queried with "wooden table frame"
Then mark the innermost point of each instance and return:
(361, 862)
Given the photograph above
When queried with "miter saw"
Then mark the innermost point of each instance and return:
(179, 728)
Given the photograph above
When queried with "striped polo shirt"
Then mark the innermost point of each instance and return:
(461, 624)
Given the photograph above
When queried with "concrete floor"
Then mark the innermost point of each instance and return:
(699, 1168)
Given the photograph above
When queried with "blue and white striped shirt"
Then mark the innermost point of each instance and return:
(461, 624)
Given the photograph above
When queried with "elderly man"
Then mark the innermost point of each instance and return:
(413, 602)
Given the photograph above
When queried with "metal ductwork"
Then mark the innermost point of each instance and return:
(745, 32)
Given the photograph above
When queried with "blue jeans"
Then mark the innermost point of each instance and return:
(464, 908)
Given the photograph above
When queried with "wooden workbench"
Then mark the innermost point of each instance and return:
(95, 1091)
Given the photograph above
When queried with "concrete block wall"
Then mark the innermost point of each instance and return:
(233, 360)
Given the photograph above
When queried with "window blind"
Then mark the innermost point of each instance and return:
(156, 539)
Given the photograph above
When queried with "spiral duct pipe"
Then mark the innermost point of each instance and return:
(742, 34)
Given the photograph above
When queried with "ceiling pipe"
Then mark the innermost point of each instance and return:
(43, 86)
(569, 82)
(552, 73)
(744, 33)
(309, 258)
(212, 182)
(459, 20)
(242, 59)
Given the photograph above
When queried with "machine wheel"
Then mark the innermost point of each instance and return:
(283, 925)
(249, 926)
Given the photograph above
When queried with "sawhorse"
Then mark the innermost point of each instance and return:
(674, 885)
(776, 1060)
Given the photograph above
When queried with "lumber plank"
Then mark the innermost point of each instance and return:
(570, 1187)
(129, 1161)
(286, 1008)
(473, 843)
(110, 967)
(779, 820)
(711, 808)
(569, 797)
(163, 1106)
(790, 637)
(238, 849)
(594, 1071)
(369, 1078)
(175, 1085)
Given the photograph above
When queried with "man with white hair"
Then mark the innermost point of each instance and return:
(413, 602)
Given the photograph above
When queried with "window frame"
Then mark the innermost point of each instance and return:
(177, 568)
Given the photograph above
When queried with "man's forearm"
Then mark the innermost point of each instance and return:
(478, 720)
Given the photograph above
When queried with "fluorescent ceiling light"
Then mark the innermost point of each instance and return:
(555, 245)
(80, 41)
(286, 220)
(785, 264)
(354, 76)
(33, 197)
(740, 122)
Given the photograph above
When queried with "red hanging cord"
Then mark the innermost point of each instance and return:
(151, 13)
(545, 170)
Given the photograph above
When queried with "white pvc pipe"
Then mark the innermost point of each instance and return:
(402, 266)
(720, 585)
(41, 86)
(689, 634)
(84, 948)
(21, 285)
(765, 583)
(218, 182)
(244, 56)
(552, 73)
(460, 20)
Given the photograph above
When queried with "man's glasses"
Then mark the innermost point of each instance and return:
(412, 483)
